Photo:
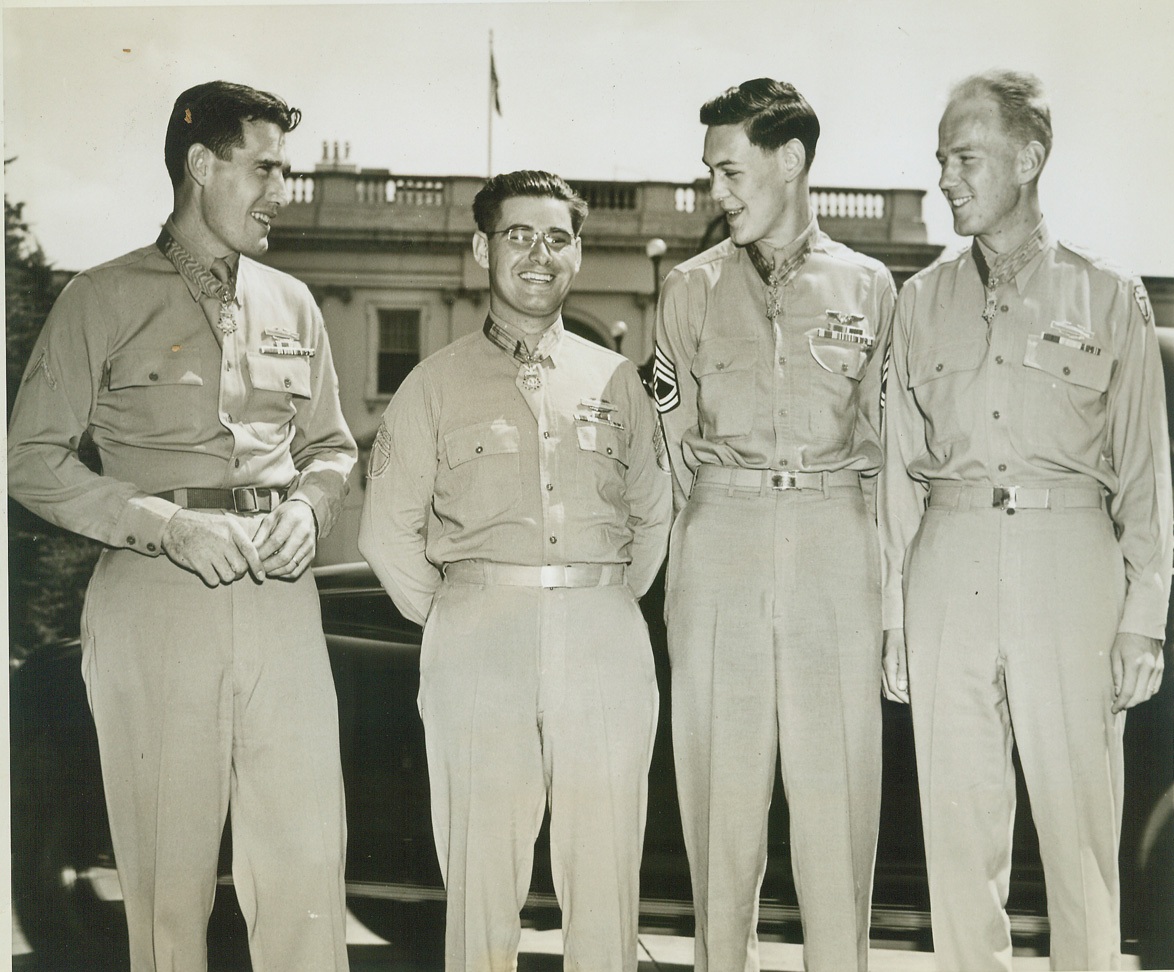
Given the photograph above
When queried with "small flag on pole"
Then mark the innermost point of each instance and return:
(493, 83)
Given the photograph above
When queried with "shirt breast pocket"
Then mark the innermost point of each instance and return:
(483, 470)
(159, 396)
(940, 378)
(726, 398)
(835, 387)
(602, 464)
(1065, 396)
(277, 382)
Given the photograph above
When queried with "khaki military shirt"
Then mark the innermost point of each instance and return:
(800, 392)
(468, 464)
(129, 353)
(1064, 388)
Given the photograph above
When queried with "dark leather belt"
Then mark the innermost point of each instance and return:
(239, 499)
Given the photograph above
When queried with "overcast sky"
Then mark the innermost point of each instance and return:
(599, 90)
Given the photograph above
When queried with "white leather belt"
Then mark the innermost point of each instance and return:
(522, 575)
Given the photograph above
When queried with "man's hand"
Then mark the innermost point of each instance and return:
(1137, 669)
(894, 669)
(287, 539)
(213, 545)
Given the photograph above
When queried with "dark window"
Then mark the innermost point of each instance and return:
(399, 347)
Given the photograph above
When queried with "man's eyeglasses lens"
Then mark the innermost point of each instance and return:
(527, 237)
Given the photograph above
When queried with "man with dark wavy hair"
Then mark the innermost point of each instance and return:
(205, 381)
(516, 509)
(767, 378)
(1026, 527)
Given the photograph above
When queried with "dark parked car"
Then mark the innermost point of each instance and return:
(65, 889)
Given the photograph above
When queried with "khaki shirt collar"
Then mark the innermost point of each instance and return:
(1040, 237)
(192, 262)
(513, 343)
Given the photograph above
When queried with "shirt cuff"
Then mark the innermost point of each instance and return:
(142, 523)
(1144, 615)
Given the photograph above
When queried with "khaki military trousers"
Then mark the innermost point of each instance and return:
(532, 696)
(1008, 621)
(773, 611)
(206, 699)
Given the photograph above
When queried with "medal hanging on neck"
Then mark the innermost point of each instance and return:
(531, 373)
(227, 322)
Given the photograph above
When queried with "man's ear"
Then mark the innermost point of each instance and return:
(197, 163)
(481, 250)
(1031, 162)
(793, 158)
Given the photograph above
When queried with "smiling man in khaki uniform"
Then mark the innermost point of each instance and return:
(768, 365)
(1025, 509)
(205, 381)
(516, 508)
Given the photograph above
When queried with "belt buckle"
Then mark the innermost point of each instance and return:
(1005, 497)
(245, 499)
(552, 576)
(783, 480)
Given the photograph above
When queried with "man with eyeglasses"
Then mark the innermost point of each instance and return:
(517, 507)
(767, 377)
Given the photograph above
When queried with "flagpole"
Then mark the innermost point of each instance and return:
(489, 145)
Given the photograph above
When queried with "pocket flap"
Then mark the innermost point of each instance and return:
(603, 440)
(946, 359)
(130, 369)
(714, 357)
(1069, 364)
(839, 357)
(291, 375)
(475, 441)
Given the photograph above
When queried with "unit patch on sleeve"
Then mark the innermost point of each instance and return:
(1143, 302)
(664, 383)
(380, 452)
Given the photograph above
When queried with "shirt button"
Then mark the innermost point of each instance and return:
(151, 547)
(479, 450)
(554, 539)
(783, 463)
(721, 366)
(1067, 370)
(546, 435)
(938, 367)
(227, 366)
(288, 383)
(549, 486)
(609, 448)
(1004, 308)
(237, 463)
(995, 414)
(1002, 467)
(154, 376)
(998, 359)
(782, 361)
(130, 540)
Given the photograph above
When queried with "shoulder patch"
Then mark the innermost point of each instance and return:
(380, 452)
(664, 383)
(1143, 301)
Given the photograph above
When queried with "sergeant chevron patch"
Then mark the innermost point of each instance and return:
(664, 383)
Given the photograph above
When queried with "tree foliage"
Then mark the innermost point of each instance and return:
(48, 567)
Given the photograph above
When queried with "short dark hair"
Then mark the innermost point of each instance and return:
(773, 113)
(212, 114)
(525, 182)
(1022, 102)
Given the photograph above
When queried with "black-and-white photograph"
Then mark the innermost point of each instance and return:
(603, 486)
